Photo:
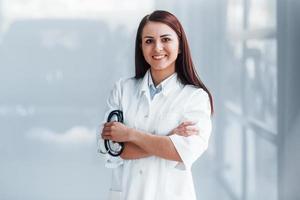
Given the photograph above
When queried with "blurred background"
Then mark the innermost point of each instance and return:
(60, 58)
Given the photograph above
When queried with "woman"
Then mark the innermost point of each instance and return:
(167, 116)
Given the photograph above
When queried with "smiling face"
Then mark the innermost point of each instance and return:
(160, 47)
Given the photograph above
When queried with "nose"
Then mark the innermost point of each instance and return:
(158, 46)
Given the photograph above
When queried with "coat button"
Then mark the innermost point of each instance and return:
(146, 116)
(141, 172)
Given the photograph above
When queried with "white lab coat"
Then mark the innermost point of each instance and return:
(155, 178)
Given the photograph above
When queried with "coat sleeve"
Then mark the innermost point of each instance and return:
(197, 109)
(113, 103)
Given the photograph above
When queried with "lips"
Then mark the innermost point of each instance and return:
(158, 57)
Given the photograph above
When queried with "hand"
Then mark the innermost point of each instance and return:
(115, 131)
(185, 129)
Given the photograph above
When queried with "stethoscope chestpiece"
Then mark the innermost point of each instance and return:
(114, 148)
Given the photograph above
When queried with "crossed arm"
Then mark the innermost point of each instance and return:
(139, 144)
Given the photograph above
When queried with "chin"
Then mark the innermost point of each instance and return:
(159, 68)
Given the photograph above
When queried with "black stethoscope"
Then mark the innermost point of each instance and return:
(114, 148)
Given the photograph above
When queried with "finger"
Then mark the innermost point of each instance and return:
(107, 137)
(107, 124)
(180, 131)
(186, 131)
(190, 133)
(184, 128)
(187, 123)
(103, 134)
(191, 128)
(106, 129)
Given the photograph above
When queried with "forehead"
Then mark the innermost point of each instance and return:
(157, 29)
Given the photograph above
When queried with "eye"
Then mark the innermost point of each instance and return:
(148, 41)
(166, 39)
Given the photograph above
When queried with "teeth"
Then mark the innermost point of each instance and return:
(158, 57)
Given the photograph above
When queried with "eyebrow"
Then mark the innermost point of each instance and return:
(164, 35)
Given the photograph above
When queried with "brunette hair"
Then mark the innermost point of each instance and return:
(183, 65)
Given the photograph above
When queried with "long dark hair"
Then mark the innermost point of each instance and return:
(183, 66)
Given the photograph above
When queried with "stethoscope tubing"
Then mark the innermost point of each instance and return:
(109, 150)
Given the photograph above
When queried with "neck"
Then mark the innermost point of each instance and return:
(160, 75)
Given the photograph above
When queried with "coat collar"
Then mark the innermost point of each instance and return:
(167, 85)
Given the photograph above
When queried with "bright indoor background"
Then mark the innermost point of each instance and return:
(60, 58)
